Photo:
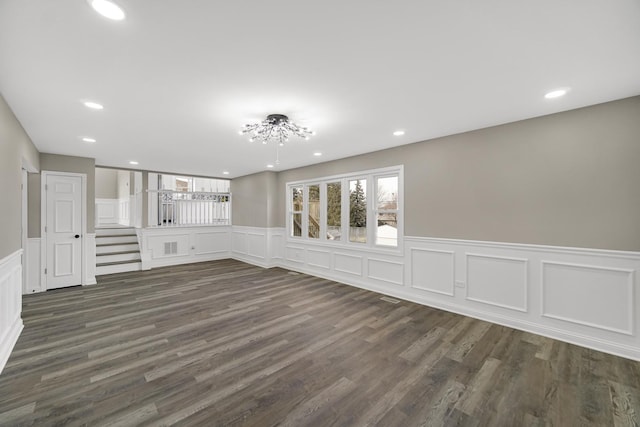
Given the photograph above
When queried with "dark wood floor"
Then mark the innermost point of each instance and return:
(225, 343)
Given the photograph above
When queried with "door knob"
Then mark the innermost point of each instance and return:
(77, 236)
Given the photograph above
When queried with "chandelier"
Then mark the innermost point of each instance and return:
(276, 127)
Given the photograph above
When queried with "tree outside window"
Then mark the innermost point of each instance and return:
(358, 211)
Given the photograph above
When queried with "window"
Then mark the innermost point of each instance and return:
(297, 205)
(314, 211)
(334, 210)
(364, 207)
(386, 211)
(358, 210)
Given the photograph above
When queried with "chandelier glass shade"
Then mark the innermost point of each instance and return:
(277, 128)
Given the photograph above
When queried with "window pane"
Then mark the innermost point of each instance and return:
(334, 210)
(387, 193)
(297, 199)
(358, 210)
(296, 225)
(314, 211)
(387, 231)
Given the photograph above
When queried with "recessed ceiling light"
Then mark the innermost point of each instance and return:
(133, 162)
(556, 93)
(398, 133)
(88, 140)
(225, 172)
(269, 166)
(317, 154)
(93, 105)
(108, 9)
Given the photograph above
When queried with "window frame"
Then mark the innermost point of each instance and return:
(371, 176)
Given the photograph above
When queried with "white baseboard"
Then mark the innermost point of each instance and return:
(11, 298)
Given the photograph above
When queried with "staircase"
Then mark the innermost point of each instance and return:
(117, 250)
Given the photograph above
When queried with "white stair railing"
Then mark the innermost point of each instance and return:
(183, 208)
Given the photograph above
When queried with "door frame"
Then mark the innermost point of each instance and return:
(43, 222)
(27, 255)
(24, 221)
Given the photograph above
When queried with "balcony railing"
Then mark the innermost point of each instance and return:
(181, 208)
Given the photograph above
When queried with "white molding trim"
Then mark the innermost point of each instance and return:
(33, 280)
(529, 247)
(525, 281)
(384, 261)
(453, 271)
(629, 297)
(11, 296)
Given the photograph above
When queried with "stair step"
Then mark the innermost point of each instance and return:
(128, 256)
(116, 240)
(104, 231)
(134, 251)
(116, 248)
(118, 268)
(104, 264)
(102, 236)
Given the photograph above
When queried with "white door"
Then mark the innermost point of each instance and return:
(63, 231)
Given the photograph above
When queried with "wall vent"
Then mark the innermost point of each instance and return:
(170, 248)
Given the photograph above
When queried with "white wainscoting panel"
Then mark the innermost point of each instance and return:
(345, 263)
(257, 244)
(211, 242)
(319, 258)
(385, 271)
(193, 244)
(276, 243)
(10, 304)
(600, 297)
(240, 242)
(295, 254)
(433, 271)
(497, 281)
(33, 267)
(252, 245)
(107, 211)
(124, 211)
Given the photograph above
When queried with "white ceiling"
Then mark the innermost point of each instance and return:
(179, 78)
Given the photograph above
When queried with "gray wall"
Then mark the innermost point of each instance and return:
(567, 179)
(15, 147)
(106, 183)
(59, 163)
(255, 200)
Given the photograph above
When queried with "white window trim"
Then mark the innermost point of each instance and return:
(371, 176)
